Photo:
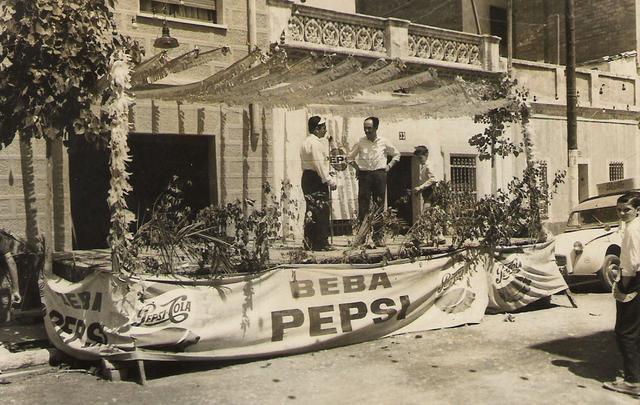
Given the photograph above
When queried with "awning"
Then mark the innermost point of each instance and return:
(345, 86)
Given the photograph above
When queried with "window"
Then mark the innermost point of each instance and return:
(544, 205)
(197, 10)
(463, 174)
(616, 171)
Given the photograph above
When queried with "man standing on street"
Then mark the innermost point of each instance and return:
(316, 181)
(625, 291)
(369, 157)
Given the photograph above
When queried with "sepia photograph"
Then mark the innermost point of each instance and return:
(319, 202)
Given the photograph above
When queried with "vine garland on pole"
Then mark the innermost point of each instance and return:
(120, 236)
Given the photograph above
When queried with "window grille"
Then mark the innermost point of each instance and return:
(463, 174)
(198, 10)
(616, 171)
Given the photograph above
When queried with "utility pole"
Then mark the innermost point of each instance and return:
(572, 98)
(509, 35)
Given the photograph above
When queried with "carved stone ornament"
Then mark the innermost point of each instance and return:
(336, 33)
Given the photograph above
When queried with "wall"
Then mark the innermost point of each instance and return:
(344, 6)
(482, 7)
(241, 161)
(12, 212)
(603, 27)
(437, 13)
(239, 158)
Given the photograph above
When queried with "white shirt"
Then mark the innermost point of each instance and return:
(630, 254)
(373, 155)
(425, 177)
(314, 156)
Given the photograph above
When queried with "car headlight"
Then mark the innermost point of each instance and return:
(578, 248)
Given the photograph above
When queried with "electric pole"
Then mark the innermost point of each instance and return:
(572, 98)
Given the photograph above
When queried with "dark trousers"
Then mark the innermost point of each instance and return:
(427, 195)
(628, 336)
(316, 221)
(371, 188)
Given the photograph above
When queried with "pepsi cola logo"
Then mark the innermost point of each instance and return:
(455, 300)
(516, 290)
(338, 159)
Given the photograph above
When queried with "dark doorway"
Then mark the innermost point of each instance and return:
(157, 158)
(583, 182)
(399, 189)
(88, 186)
(498, 26)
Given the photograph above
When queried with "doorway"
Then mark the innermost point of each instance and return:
(155, 160)
(583, 182)
(88, 187)
(399, 181)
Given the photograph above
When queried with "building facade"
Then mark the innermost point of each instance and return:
(229, 152)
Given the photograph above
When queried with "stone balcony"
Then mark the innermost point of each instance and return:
(307, 28)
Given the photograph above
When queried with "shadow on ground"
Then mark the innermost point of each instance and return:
(593, 356)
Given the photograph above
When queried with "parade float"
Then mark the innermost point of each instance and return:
(230, 301)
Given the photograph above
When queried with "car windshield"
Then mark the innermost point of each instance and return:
(593, 217)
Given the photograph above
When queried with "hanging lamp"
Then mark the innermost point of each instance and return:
(166, 41)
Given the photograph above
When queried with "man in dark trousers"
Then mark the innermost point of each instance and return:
(369, 157)
(316, 182)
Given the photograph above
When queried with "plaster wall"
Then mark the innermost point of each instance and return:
(12, 210)
(600, 142)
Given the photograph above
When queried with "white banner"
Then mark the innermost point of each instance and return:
(287, 310)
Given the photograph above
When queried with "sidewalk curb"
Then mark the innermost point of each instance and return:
(27, 358)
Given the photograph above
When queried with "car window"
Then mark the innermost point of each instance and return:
(593, 217)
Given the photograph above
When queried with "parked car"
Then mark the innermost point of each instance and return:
(591, 242)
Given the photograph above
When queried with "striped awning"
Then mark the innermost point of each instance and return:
(346, 86)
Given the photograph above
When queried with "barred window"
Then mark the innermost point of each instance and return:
(463, 174)
(616, 171)
(544, 205)
(197, 10)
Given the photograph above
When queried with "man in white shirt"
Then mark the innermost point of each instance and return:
(316, 181)
(426, 179)
(369, 157)
(625, 291)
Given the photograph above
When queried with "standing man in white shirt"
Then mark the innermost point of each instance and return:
(426, 179)
(316, 181)
(625, 291)
(369, 157)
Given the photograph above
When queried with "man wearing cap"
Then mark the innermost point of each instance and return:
(316, 181)
(369, 157)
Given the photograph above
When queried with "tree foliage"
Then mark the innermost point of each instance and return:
(54, 59)
(492, 142)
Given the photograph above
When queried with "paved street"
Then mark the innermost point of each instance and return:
(553, 355)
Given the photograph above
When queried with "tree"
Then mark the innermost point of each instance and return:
(54, 61)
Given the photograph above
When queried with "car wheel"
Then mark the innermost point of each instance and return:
(606, 274)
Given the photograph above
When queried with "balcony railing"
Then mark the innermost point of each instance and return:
(349, 33)
(440, 44)
(363, 35)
